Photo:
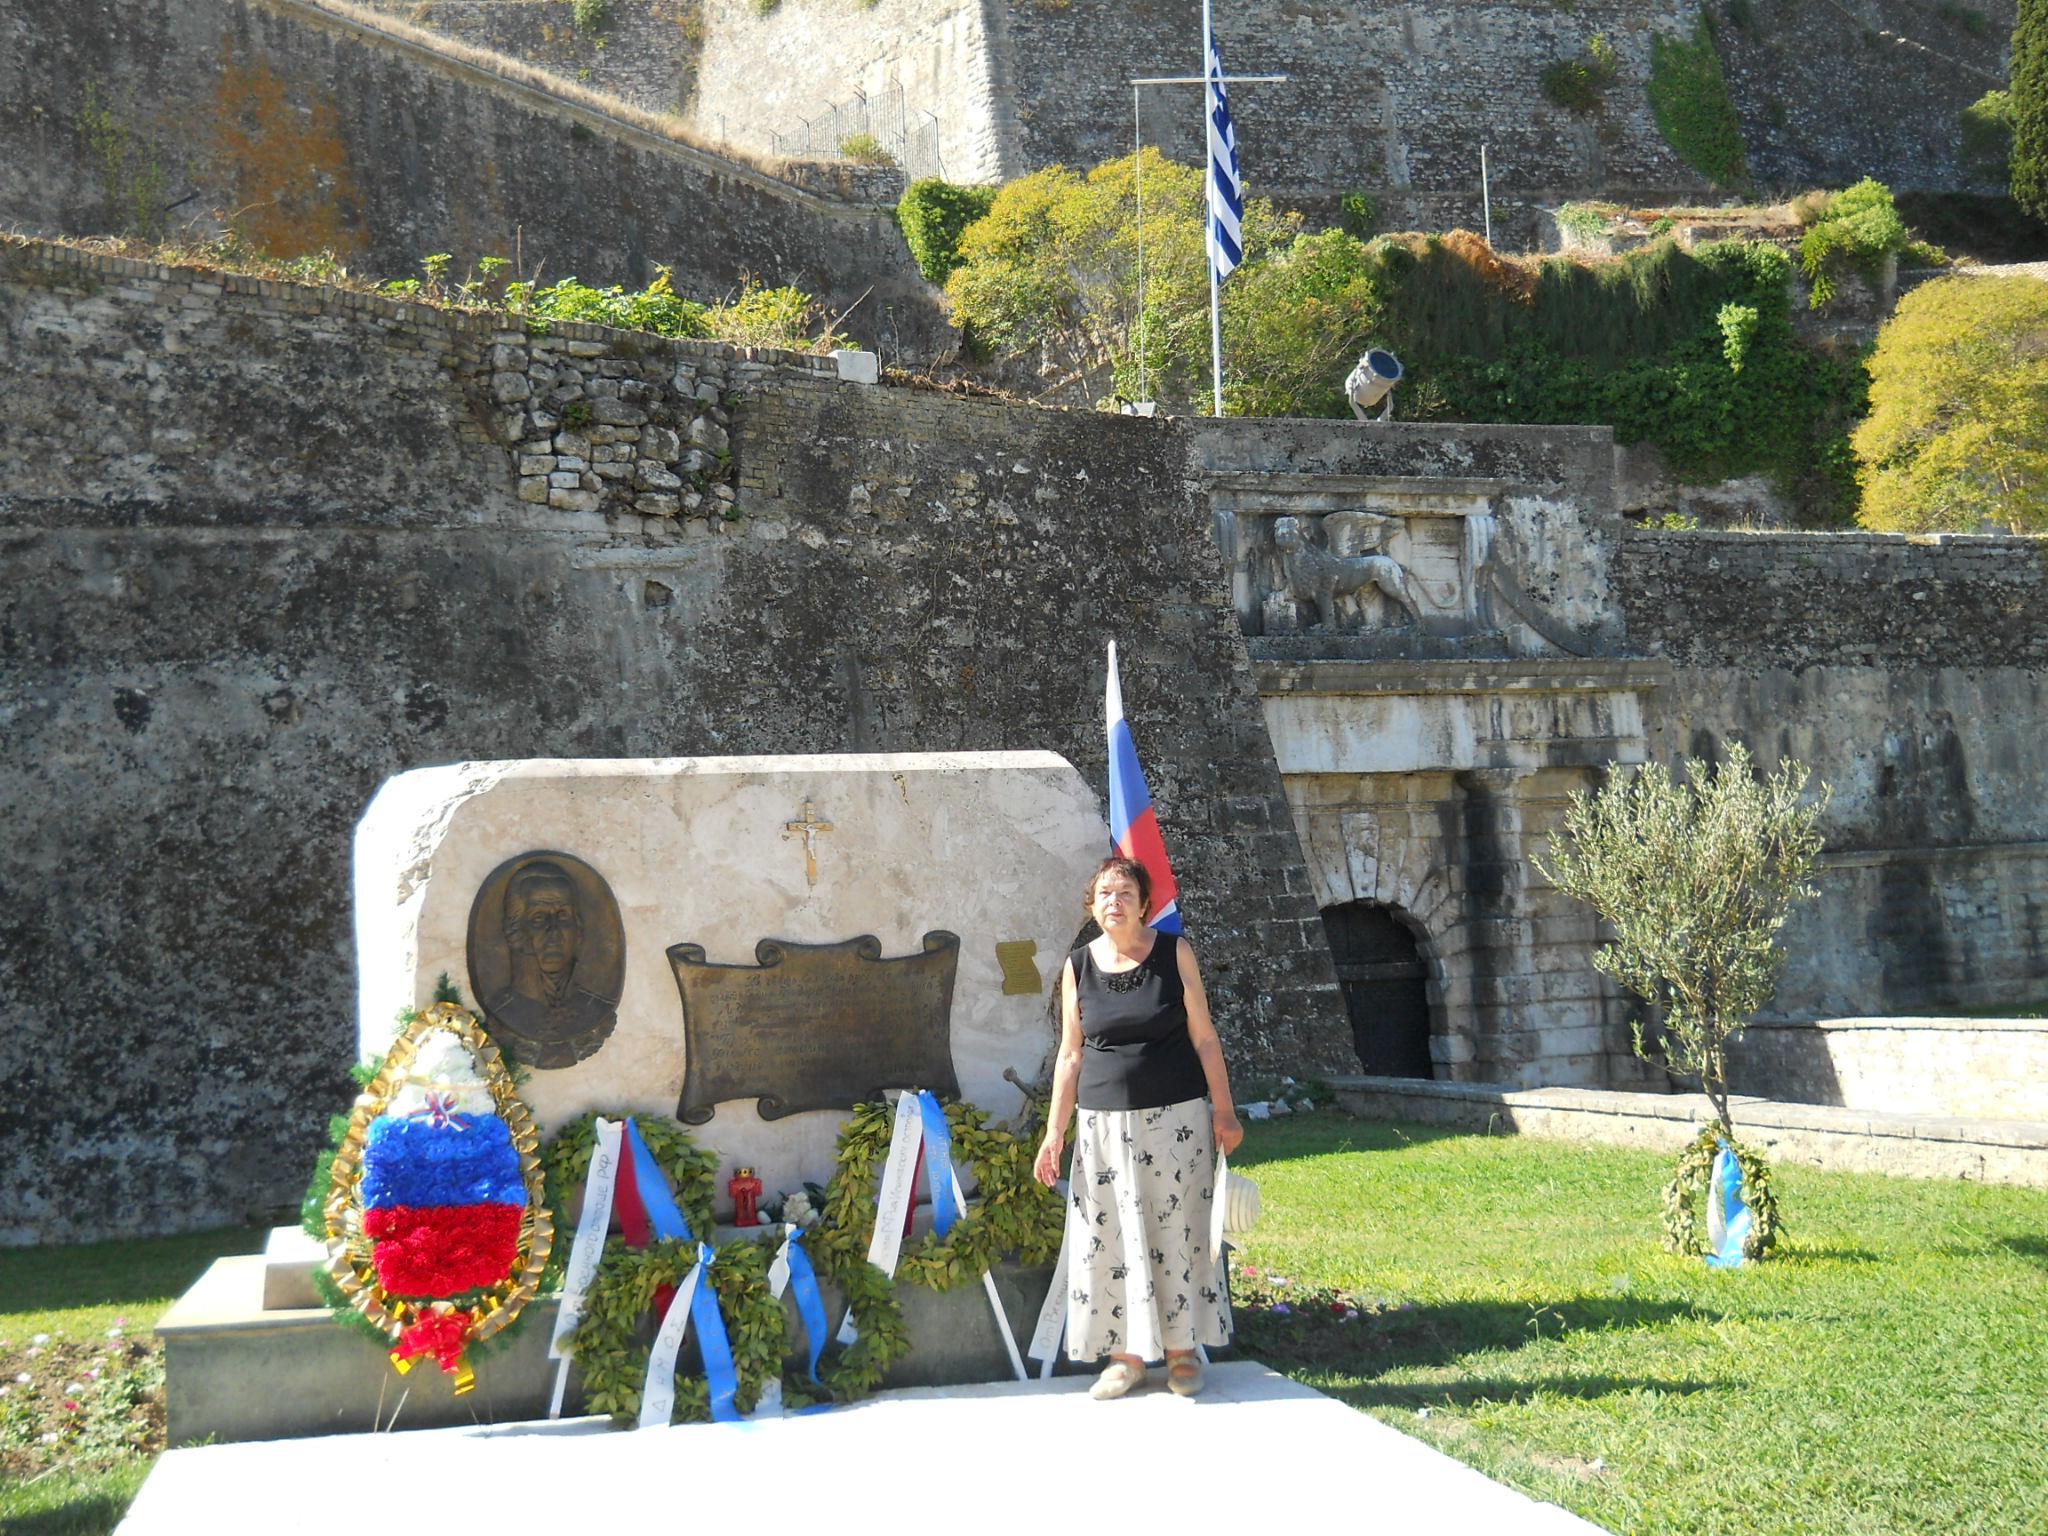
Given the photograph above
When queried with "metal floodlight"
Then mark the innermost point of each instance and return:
(1372, 381)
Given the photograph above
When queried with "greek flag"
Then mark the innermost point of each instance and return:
(1226, 186)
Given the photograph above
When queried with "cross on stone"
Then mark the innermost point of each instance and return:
(808, 826)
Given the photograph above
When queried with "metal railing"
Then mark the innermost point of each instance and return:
(908, 135)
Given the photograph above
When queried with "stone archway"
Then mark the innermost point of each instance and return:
(1385, 977)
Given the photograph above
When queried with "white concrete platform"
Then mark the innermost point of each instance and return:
(1000, 1457)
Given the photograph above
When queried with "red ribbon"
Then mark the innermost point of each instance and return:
(443, 1335)
(440, 1112)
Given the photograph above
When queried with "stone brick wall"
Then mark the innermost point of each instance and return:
(1911, 674)
(1983, 1069)
(646, 52)
(309, 131)
(265, 546)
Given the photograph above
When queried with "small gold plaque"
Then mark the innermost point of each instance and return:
(1020, 967)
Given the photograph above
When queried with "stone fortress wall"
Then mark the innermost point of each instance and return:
(310, 131)
(267, 545)
(1391, 100)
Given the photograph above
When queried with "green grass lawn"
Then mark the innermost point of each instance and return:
(1508, 1302)
(1886, 1372)
(81, 1432)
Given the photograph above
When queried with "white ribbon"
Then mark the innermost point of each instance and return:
(658, 1394)
(770, 1405)
(1052, 1316)
(892, 1204)
(1219, 1207)
(588, 1250)
(892, 1207)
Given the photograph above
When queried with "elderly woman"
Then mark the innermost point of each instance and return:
(1139, 1054)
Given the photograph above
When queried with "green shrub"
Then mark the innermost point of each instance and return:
(1580, 85)
(1986, 124)
(1860, 228)
(1358, 215)
(1690, 102)
(933, 214)
(1586, 221)
(865, 149)
(2030, 108)
(592, 15)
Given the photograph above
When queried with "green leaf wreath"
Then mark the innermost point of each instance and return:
(1685, 1197)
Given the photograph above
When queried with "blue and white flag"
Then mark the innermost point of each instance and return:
(1226, 186)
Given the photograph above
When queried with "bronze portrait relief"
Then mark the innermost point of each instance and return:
(547, 958)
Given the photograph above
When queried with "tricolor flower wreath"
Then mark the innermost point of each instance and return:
(436, 1229)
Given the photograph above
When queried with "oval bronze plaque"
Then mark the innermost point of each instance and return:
(547, 958)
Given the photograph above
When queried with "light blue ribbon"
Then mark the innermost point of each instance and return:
(1737, 1220)
(666, 1218)
(712, 1343)
(810, 1305)
(938, 1162)
(663, 1214)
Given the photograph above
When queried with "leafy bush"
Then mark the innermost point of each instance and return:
(1586, 221)
(758, 316)
(1690, 102)
(1958, 428)
(933, 215)
(1358, 215)
(1986, 125)
(865, 149)
(1296, 323)
(592, 15)
(1053, 269)
(1580, 85)
(1859, 229)
(1641, 343)
(2030, 108)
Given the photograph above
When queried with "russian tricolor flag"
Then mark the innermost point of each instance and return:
(1133, 825)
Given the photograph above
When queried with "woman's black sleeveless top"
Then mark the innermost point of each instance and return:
(1135, 1050)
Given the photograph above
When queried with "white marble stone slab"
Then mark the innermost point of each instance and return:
(995, 847)
(1254, 1452)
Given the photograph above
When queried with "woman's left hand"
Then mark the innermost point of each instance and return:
(1228, 1132)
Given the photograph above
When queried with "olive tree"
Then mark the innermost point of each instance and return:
(1695, 876)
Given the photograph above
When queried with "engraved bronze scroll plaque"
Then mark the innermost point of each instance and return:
(547, 958)
(815, 1026)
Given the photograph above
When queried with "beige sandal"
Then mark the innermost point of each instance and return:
(1184, 1374)
(1117, 1378)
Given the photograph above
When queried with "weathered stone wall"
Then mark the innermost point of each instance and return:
(309, 131)
(645, 53)
(1972, 1069)
(264, 547)
(1828, 94)
(1911, 674)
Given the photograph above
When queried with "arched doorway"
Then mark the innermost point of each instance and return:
(1386, 987)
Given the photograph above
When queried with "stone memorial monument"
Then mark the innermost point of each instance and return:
(750, 945)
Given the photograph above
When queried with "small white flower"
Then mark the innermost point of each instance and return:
(73, 1388)
(113, 1333)
(41, 1338)
(24, 1378)
(48, 1439)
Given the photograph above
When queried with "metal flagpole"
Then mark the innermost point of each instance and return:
(1208, 220)
(1138, 168)
(1215, 311)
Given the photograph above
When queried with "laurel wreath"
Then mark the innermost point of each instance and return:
(1016, 1213)
(1686, 1195)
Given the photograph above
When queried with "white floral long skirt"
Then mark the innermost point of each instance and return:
(1142, 1279)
